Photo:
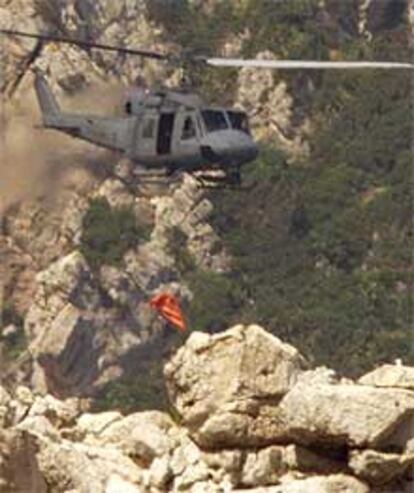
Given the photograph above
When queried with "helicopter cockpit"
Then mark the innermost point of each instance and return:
(216, 120)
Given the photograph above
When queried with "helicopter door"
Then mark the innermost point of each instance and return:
(186, 141)
(146, 142)
(165, 131)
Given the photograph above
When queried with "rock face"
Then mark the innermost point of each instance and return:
(225, 386)
(347, 414)
(77, 318)
(253, 418)
(390, 376)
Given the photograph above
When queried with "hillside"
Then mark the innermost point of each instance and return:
(247, 414)
(319, 251)
(322, 246)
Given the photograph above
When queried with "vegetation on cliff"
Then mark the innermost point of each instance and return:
(109, 232)
(321, 246)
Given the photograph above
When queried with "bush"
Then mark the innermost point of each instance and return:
(143, 392)
(216, 300)
(108, 233)
(323, 250)
(177, 245)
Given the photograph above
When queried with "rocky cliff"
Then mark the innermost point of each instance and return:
(247, 414)
(76, 324)
(246, 410)
(49, 289)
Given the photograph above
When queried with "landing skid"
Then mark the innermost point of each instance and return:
(214, 180)
(224, 180)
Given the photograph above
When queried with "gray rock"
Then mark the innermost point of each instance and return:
(320, 484)
(143, 435)
(227, 388)
(390, 376)
(378, 467)
(347, 414)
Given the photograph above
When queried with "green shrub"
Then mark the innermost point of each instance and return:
(177, 245)
(216, 299)
(142, 387)
(109, 232)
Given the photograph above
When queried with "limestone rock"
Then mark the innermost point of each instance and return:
(59, 412)
(226, 386)
(38, 426)
(185, 455)
(19, 470)
(320, 375)
(197, 473)
(320, 484)
(144, 435)
(298, 458)
(379, 467)
(347, 414)
(160, 474)
(225, 466)
(67, 352)
(269, 465)
(94, 424)
(84, 467)
(116, 484)
(264, 467)
(390, 376)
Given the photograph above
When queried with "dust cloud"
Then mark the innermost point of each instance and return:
(35, 162)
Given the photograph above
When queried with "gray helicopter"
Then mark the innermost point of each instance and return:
(171, 131)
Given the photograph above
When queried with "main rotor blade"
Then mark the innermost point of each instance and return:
(86, 44)
(304, 64)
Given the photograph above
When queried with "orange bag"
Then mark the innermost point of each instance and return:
(169, 308)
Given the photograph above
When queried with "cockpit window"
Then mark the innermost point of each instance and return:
(214, 120)
(239, 121)
(189, 130)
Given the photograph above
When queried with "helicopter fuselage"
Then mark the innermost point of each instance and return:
(188, 138)
(167, 130)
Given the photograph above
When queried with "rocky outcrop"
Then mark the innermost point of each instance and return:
(397, 376)
(76, 324)
(346, 414)
(226, 386)
(252, 417)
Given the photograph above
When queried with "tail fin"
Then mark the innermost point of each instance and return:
(47, 102)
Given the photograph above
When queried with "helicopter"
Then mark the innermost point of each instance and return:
(167, 132)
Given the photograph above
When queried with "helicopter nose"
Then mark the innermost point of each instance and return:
(229, 147)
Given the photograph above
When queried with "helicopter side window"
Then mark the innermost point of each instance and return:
(239, 121)
(189, 130)
(148, 129)
(214, 120)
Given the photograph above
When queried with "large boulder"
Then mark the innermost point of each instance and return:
(390, 376)
(86, 468)
(347, 414)
(269, 465)
(144, 435)
(226, 387)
